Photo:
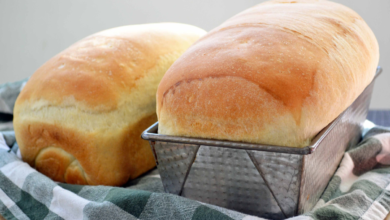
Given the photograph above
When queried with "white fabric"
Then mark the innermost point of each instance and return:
(67, 204)
(18, 154)
(367, 125)
(12, 207)
(17, 172)
(5, 199)
(375, 212)
(3, 145)
(345, 173)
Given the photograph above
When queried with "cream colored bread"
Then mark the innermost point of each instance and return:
(275, 74)
(80, 117)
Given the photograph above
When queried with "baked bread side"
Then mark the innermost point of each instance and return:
(80, 116)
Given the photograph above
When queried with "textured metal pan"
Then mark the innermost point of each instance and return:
(151, 134)
(268, 181)
(320, 166)
(228, 178)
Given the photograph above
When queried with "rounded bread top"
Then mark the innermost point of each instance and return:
(99, 70)
(276, 73)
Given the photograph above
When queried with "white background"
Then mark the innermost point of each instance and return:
(31, 32)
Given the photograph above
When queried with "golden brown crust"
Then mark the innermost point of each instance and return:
(79, 157)
(96, 69)
(80, 117)
(302, 64)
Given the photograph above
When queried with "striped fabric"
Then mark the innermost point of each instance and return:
(360, 189)
(27, 194)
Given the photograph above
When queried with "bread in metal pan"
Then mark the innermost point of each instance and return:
(274, 74)
(80, 117)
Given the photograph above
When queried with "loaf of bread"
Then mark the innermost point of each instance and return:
(274, 74)
(80, 117)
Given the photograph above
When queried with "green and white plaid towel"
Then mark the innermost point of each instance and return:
(360, 189)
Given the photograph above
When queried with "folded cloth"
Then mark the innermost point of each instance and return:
(8, 94)
(28, 194)
(360, 188)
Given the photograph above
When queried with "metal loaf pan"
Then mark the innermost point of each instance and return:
(268, 181)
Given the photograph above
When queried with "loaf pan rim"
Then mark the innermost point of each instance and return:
(151, 134)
